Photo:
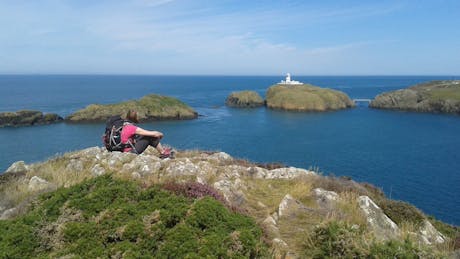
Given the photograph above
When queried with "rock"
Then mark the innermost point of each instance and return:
(182, 167)
(291, 207)
(97, 170)
(306, 98)
(325, 199)
(27, 118)
(36, 184)
(383, 227)
(9, 213)
(280, 249)
(244, 99)
(257, 172)
(230, 190)
(149, 108)
(429, 235)
(17, 167)
(220, 156)
(75, 165)
(287, 173)
(433, 96)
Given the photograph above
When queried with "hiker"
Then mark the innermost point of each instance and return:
(139, 139)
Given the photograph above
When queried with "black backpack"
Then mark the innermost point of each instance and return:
(112, 135)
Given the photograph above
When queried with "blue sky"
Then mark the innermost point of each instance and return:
(405, 37)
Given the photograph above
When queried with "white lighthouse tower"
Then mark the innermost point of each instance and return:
(288, 81)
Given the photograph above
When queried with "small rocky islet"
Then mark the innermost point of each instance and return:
(441, 96)
(245, 99)
(27, 118)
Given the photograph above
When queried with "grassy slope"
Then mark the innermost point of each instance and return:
(245, 98)
(150, 107)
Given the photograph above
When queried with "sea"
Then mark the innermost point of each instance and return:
(413, 157)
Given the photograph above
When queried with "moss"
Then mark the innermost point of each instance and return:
(119, 218)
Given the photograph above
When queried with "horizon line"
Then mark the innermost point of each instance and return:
(241, 75)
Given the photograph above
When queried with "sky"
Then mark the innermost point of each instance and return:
(206, 37)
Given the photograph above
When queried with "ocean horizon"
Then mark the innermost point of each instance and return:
(411, 156)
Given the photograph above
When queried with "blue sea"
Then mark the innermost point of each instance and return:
(413, 157)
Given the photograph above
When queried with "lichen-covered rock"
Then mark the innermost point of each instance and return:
(291, 207)
(9, 213)
(306, 98)
(429, 235)
(288, 173)
(383, 227)
(244, 99)
(231, 191)
(325, 199)
(149, 108)
(433, 96)
(27, 118)
(36, 184)
(16, 167)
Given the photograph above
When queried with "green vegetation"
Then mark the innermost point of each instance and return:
(244, 99)
(306, 98)
(150, 107)
(401, 212)
(105, 217)
(340, 240)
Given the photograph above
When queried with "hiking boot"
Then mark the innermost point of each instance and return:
(167, 153)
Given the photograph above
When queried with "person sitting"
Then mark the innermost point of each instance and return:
(139, 139)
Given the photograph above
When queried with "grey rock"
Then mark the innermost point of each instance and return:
(429, 235)
(291, 207)
(36, 184)
(230, 190)
(75, 165)
(220, 156)
(17, 167)
(9, 213)
(287, 173)
(182, 167)
(97, 170)
(325, 199)
(383, 227)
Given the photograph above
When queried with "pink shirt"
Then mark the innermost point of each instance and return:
(128, 133)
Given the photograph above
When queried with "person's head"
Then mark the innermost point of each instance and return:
(132, 116)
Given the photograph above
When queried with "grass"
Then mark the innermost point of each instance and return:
(245, 99)
(306, 98)
(104, 216)
(150, 107)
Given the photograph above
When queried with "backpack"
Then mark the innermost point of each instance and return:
(112, 135)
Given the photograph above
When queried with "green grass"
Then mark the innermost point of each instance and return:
(150, 107)
(103, 217)
(445, 94)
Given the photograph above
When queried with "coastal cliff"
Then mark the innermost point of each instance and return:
(433, 96)
(306, 97)
(27, 118)
(149, 108)
(93, 203)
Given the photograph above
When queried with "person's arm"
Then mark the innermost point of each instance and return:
(150, 133)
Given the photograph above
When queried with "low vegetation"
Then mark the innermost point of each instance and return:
(244, 99)
(105, 217)
(150, 107)
(306, 98)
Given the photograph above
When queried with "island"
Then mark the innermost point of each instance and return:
(27, 118)
(306, 97)
(244, 99)
(149, 108)
(435, 96)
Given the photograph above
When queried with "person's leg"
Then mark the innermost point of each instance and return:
(142, 142)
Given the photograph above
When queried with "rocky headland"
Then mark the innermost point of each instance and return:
(27, 118)
(306, 97)
(433, 96)
(149, 108)
(244, 99)
(93, 203)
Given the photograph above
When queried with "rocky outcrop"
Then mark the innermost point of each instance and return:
(306, 98)
(17, 167)
(27, 118)
(149, 108)
(434, 96)
(383, 227)
(244, 99)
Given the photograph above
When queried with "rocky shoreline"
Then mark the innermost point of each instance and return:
(433, 96)
(27, 118)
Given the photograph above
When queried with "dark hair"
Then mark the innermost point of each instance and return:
(132, 116)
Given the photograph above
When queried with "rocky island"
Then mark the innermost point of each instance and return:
(27, 118)
(305, 97)
(434, 96)
(244, 99)
(92, 203)
(149, 108)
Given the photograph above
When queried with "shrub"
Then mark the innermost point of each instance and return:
(400, 212)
